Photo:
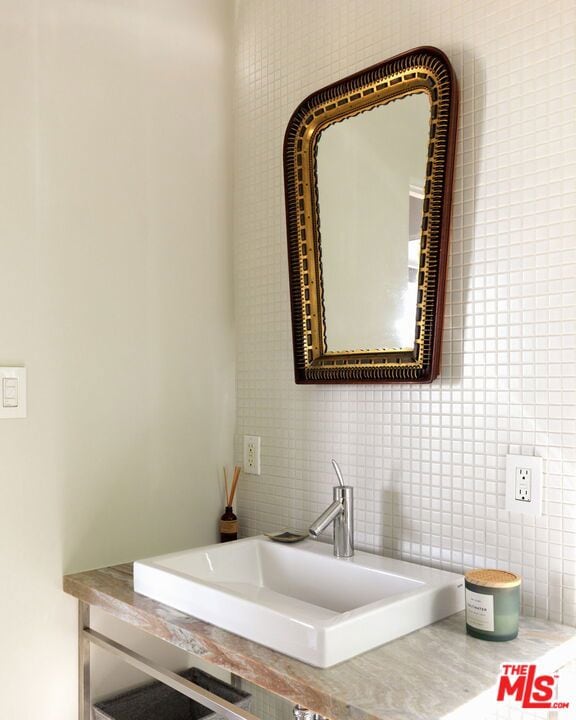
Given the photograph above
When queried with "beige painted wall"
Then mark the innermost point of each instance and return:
(115, 292)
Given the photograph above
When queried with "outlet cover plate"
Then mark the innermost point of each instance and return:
(251, 455)
(514, 463)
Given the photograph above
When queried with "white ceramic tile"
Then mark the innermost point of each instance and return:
(427, 462)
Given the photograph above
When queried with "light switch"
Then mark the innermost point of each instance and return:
(13, 390)
(10, 392)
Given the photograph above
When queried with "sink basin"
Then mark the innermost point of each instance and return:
(300, 599)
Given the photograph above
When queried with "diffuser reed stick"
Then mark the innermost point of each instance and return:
(234, 484)
(226, 487)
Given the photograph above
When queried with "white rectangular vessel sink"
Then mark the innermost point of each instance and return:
(300, 599)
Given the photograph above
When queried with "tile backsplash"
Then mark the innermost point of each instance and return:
(427, 462)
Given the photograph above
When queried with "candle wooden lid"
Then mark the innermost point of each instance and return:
(493, 578)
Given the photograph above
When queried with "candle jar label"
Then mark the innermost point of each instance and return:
(480, 611)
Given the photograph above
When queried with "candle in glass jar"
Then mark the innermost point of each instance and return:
(492, 604)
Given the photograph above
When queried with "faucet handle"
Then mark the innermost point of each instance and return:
(338, 473)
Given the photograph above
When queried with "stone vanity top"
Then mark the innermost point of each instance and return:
(429, 674)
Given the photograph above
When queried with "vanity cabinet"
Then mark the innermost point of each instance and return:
(425, 675)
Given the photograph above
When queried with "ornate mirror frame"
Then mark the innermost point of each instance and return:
(424, 69)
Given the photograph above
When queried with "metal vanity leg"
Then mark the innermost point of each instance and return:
(84, 695)
(236, 681)
(197, 693)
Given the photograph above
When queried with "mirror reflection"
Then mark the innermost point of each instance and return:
(371, 172)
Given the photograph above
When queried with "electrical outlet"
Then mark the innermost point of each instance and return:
(524, 484)
(251, 455)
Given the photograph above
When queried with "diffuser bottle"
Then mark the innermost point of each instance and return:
(228, 525)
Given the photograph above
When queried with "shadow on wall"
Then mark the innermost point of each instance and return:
(138, 469)
(460, 283)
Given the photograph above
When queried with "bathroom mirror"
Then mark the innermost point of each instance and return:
(368, 173)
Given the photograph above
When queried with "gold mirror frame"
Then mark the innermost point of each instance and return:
(424, 69)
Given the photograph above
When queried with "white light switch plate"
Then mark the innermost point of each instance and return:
(524, 484)
(12, 392)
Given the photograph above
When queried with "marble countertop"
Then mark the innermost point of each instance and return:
(430, 674)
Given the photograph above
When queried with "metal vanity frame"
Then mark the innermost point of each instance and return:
(87, 637)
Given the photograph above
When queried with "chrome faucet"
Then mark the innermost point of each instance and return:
(341, 513)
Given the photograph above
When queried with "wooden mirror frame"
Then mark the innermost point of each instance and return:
(424, 69)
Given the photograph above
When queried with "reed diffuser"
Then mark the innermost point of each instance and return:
(229, 521)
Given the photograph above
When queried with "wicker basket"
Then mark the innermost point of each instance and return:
(155, 701)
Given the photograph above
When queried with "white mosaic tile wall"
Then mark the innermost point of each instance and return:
(267, 706)
(427, 462)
